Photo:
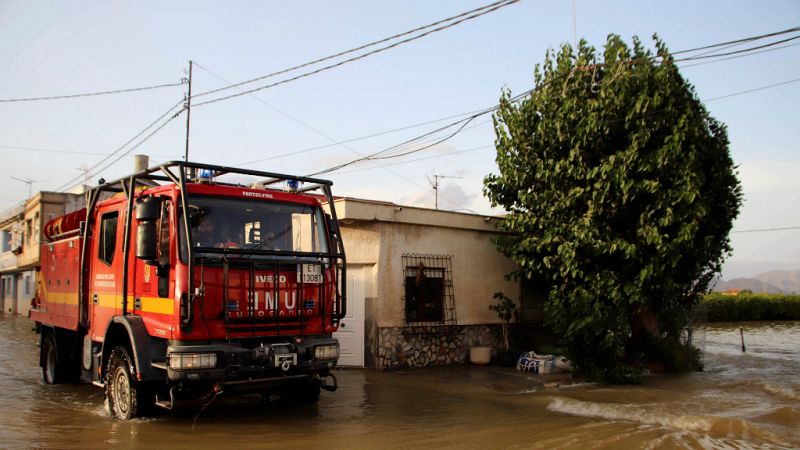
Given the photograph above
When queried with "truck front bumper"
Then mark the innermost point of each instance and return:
(238, 367)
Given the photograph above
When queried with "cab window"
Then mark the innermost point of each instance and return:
(108, 237)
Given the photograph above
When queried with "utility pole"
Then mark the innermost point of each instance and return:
(435, 185)
(188, 106)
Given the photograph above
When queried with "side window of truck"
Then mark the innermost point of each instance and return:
(108, 237)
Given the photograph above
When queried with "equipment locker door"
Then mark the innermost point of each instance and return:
(105, 278)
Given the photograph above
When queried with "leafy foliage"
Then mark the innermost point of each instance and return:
(506, 310)
(620, 192)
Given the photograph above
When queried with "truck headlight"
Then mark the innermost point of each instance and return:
(182, 361)
(330, 351)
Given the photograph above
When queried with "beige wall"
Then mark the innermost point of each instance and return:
(378, 234)
(38, 211)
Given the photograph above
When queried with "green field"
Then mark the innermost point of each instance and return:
(748, 306)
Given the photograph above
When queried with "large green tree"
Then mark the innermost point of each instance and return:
(620, 192)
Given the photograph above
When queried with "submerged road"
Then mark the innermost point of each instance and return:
(741, 400)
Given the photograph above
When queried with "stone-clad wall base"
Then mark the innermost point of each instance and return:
(406, 347)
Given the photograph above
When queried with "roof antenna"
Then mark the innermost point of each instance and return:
(435, 185)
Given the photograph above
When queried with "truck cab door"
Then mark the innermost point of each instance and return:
(105, 277)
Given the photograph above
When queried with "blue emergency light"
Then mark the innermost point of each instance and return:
(293, 185)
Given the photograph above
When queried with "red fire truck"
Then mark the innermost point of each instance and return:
(172, 285)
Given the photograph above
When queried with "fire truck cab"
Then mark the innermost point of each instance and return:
(172, 285)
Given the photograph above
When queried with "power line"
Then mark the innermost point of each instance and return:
(409, 161)
(364, 55)
(361, 138)
(312, 129)
(342, 144)
(477, 113)
(353, 50)
(752, 90)
(485, 10)
(372, 156)
(737, 41)
(765, 230)
(484, 110)
(90, 94)
(772, 49)
(145, 139)
(49, 150)
(737, 52)
(69, 152)
(71, 182)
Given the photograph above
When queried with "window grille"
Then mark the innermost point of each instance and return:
(428, 282)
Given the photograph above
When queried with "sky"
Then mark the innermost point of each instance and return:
(50, 48)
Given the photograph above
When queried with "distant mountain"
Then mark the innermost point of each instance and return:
(772, 282)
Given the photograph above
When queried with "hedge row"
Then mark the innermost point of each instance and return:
(742, 307)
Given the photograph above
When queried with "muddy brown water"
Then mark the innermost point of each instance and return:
(741, 400)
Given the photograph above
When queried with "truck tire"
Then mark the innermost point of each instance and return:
(52, 369)
(127, 398)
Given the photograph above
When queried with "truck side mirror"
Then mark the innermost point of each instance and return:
(147, 212)
(146, 242)
(148, 209)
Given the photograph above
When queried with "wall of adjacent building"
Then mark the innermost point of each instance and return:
(377, 235)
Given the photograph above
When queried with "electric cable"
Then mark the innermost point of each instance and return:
(74, 152)
(71, 182)
(145, 139)
(741, 40)
(370, 157)
(765, 230)
(322, 134)
(736, 42)
(409, 161)
(736, 52)
(360, 138)
(359, 57)
(353, 50)
(90, 94)
(771, 49)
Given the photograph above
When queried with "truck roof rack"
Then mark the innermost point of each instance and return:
(166, 172)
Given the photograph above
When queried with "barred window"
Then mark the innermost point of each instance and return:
(428, 282)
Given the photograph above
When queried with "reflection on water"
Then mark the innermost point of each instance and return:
(742, 400)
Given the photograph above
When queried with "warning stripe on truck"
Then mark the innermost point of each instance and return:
(156, 305)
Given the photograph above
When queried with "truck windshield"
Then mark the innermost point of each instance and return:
(258, 225)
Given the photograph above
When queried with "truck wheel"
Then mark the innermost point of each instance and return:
(52, 371)
(126, 398)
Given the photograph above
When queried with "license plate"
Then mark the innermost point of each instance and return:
(310, 273)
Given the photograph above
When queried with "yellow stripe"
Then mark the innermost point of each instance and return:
(62, 298)
(109, 301)
(158, 305)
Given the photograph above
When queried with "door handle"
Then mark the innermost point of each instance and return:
(94, 299)
(342, 325)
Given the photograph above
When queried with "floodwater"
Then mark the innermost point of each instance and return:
(742, 400)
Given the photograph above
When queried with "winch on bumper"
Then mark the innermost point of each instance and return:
(241, 366)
